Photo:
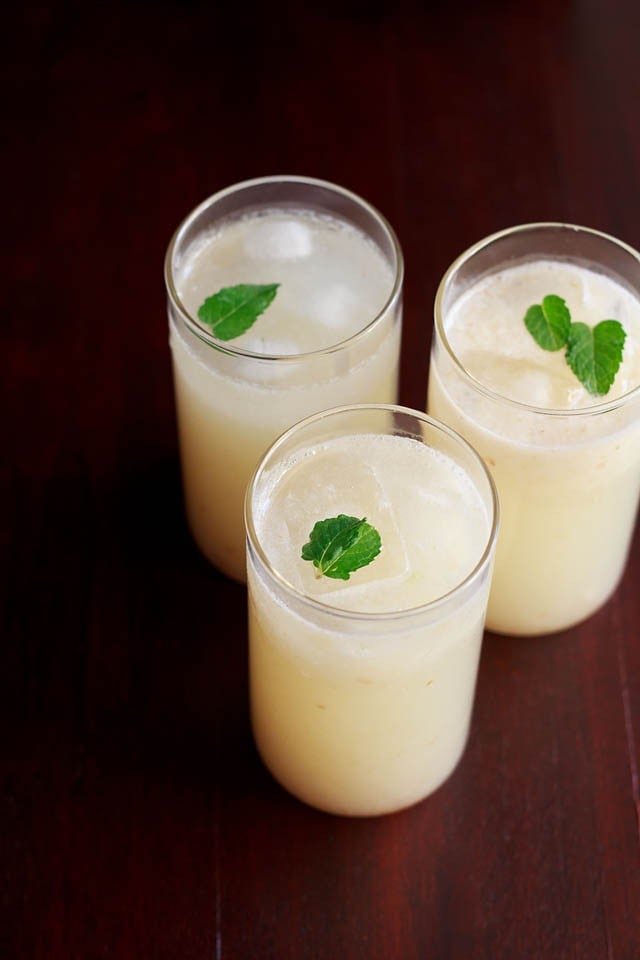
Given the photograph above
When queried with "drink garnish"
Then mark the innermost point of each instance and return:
(339, 545)
(233, 310)
(593, 353)
(549, 322)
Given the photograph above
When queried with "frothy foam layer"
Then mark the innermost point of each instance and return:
(486, 330)
(333, 280)
(433, 524)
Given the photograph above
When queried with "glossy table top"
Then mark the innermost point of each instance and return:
(137, 820)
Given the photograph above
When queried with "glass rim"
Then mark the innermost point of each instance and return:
(407, 613)
(594, 409)
(224, 347)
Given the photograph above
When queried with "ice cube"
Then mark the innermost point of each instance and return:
(519, 378)
(333, 306)
(272, 346)
(278, 240)
(532, 386)
(369, 597)
(323, 485)
(266, 372)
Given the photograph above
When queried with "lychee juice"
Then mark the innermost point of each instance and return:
(362, 690)
(566, 463)
(331, 336)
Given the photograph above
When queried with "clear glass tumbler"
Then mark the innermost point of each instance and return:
(568, 478)
(234, 397)
(362, 690)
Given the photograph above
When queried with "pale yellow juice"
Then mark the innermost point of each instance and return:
(331, 336)
(566, 463)
(362, 690)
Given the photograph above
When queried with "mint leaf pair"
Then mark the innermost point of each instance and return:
(593, 353)
(339, 545)
(233, 310)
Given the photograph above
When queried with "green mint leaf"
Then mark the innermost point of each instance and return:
(595, 353)
(233, 310)
(339, 545)
(549, 322)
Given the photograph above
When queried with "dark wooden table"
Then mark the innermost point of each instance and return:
(137, 821)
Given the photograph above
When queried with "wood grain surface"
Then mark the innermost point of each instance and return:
(137, 821)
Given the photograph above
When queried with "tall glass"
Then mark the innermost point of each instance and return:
(234, 397)
(568, 479)
(362, 691)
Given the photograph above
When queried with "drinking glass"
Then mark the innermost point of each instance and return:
(362, 692)
(233, 399)
(568, 479)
